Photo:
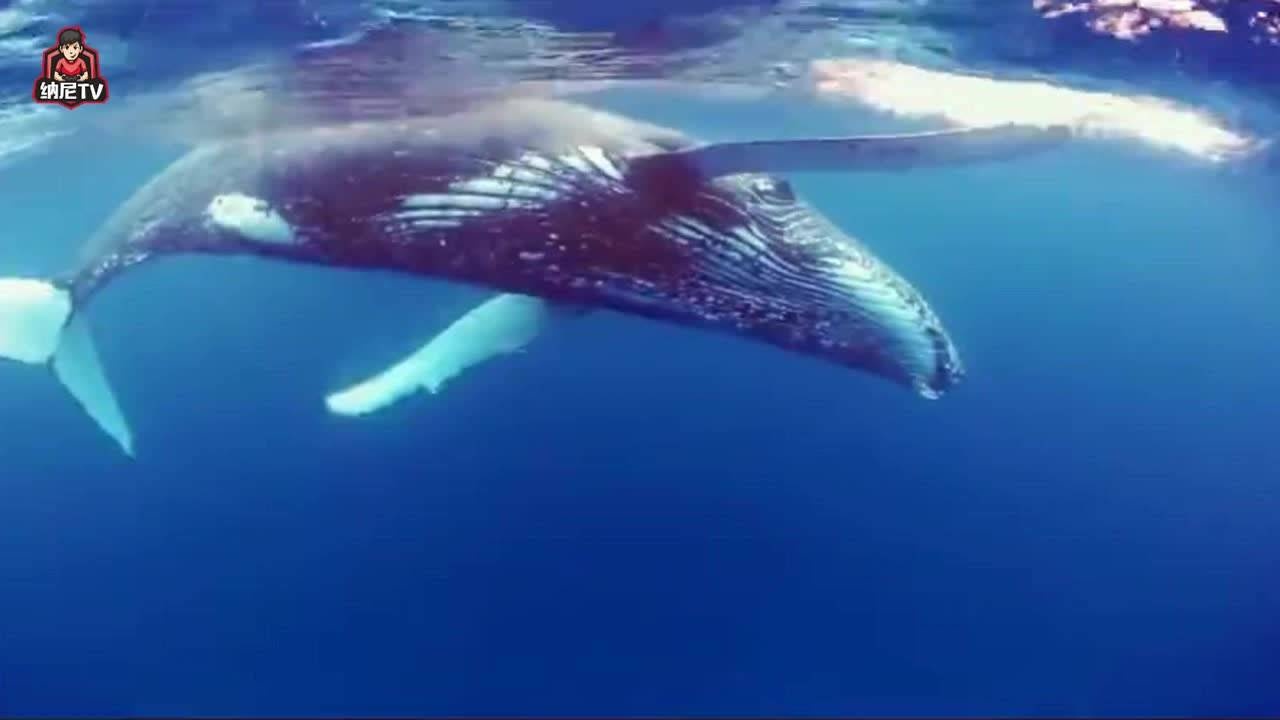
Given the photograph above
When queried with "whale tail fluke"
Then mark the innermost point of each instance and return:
(39, 326)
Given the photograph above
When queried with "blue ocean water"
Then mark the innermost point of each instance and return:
(637, 519)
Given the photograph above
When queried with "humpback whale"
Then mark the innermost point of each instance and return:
(558, 207)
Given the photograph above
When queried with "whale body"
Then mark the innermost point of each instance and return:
(557, 202)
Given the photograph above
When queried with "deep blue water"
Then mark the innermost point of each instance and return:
(636, 519)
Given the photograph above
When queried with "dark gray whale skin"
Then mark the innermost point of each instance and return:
(541, 198)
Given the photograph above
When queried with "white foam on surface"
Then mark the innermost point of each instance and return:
(972, 100)
(502, 325)
(1133, 19)
(32, 315)
(250, 217)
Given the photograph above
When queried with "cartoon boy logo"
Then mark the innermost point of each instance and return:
(70, 66)
(70, 73)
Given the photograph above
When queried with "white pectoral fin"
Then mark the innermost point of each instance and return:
(501, 325)
(865, 153)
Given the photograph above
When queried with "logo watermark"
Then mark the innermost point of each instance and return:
(70, 72)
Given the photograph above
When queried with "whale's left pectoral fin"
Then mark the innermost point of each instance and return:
(859, 153)
(502, 325)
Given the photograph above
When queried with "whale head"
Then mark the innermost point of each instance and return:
(757, 261)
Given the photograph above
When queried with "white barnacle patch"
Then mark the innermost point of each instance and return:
(853, 271)
(251, 218)
(576, 161)
(749, 238)
(601, 161)
(474, 204)
(537, 161)
(507, 182)
(592, 162)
